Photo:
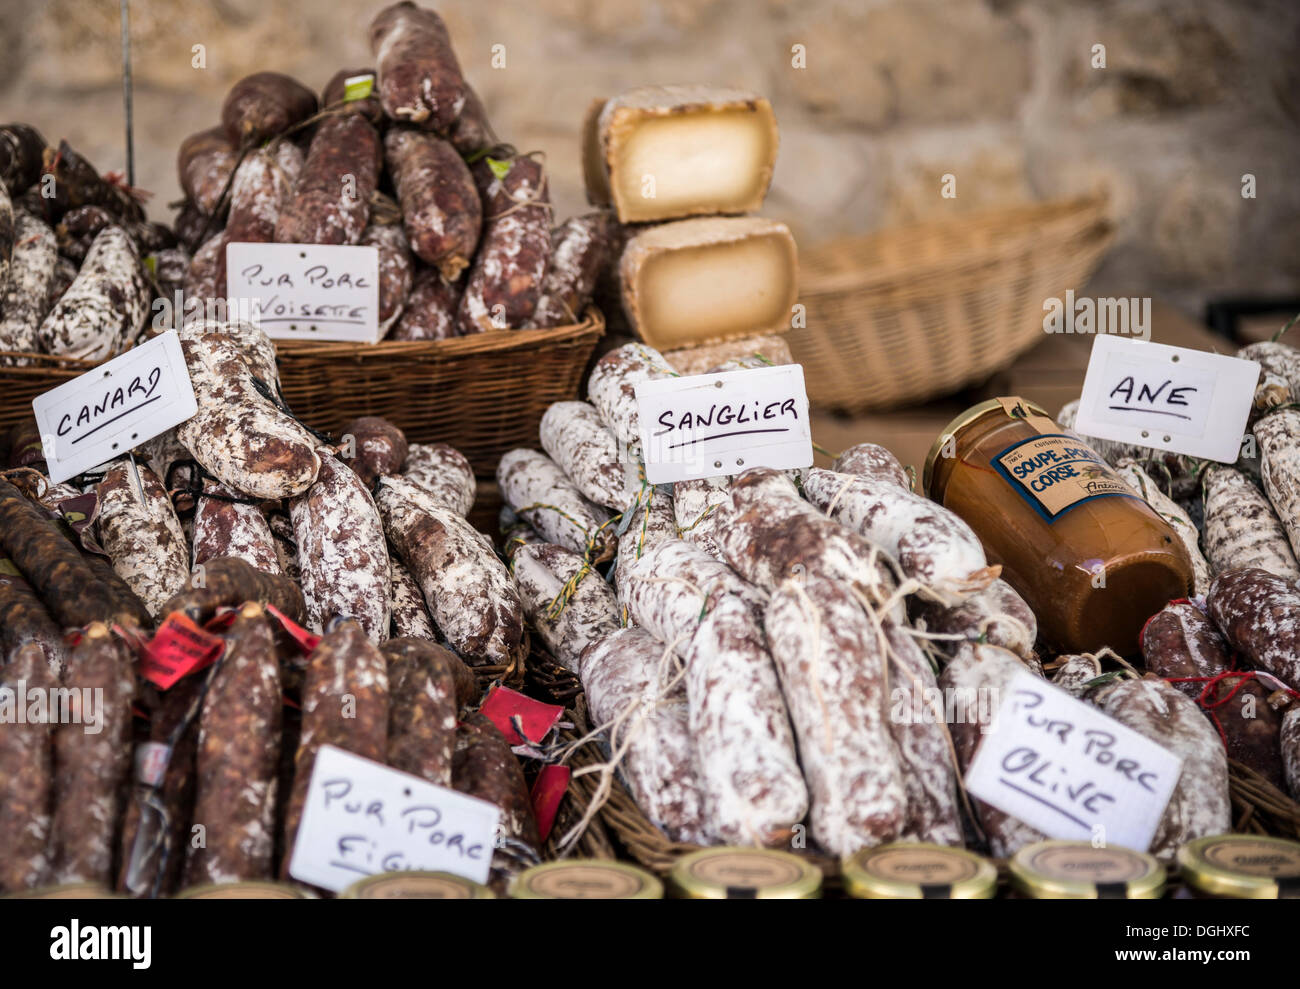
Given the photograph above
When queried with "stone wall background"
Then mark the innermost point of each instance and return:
(893, 95)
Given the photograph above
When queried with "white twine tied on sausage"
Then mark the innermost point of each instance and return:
(619, 745)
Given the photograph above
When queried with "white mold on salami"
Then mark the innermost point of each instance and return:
(444, 473)
(143, 537)
(25, 300)
(540, 493)
(106, 305)
(754, 792)
(611, 388)
(567, 601)
(573, 435)
(342, 553)
(624, 678)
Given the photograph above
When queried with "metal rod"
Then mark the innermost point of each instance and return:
(126, 92)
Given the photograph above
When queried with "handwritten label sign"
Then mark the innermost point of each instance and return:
(1170, 398)
(100, 415)
(362, 818)
(307, 291)
(707, 425)
(1065, 768)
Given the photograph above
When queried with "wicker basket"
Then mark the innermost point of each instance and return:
(19, 385)
(911, 314)
(484, 394)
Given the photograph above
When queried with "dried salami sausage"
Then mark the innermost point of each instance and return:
(931, 544)
(105, 306)
(1259, 614)
(21, 152)
(996, 615)
(238, 757)
(331, 200)
(1181, 644)
(484, 767)
(871, 460)
(379, 448)
(143, 537)
(334, 96)
(24, 621)
(92, 768)
(573, 435)
(611, 388)
(422, 708)
(228, 582)
(1200, 804)
(622, 676)
(263, 186)
(754, 793)
(411, 619)
(580, 249)
(26, 777)
(76, 183)
(505, 280)
(205, 163)
(342, 554)
(226, 525)
(238, 435)
(441, 210)
(344, 704)
(652, 523)
(50, 563)
(538, 491)
(567, 601)
(430, 312)
(395, 269)
(468, 590)
(833, 669)
(262, 105)
(419, 79)
(443, 472)
(25, 300)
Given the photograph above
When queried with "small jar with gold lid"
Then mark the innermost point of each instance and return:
(586, 879)
(916, 871)
(1241, 867)
(1078, 870)
(1091, 558)
(745, 874)
(416, 885)
(69, 891)
(248, 890)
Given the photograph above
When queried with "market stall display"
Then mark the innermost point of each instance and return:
(762, 684)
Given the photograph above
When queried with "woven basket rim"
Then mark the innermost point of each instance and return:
(1021, 228)
(454, 348)
(38, 362)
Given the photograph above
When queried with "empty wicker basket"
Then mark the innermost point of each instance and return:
(910, 314)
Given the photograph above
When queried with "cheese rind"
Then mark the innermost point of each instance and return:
(666, 152)
(707, 280)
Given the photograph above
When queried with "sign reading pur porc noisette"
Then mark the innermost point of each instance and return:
(707, 425)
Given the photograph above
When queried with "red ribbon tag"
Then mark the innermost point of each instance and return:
(221, 622)
(548, 790)
(504, 705)
(307, 641)
(178, 648)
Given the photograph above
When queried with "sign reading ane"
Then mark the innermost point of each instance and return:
(100, 415)
(707, 425)
(1070, 771)
(308, 291)
(1170, 398)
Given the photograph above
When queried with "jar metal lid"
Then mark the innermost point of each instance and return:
(69, 891)
(950, 431)
(1242, 866)
(416, 885)
(745, 874)
(586, 879)
(915, 871)
(252, 890)
(1076, 870)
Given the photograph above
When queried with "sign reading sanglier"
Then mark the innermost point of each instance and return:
(706, 425)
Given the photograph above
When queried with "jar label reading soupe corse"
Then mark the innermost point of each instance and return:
(1056, 473)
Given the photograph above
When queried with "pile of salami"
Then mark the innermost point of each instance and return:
(400, 157)
(345, 589)
(77, 256)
